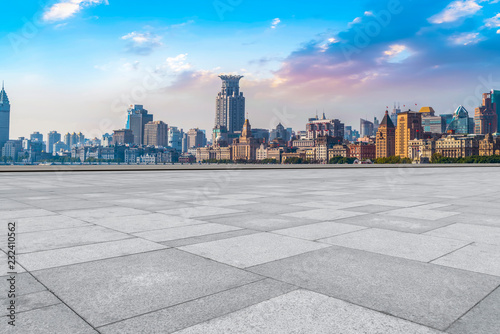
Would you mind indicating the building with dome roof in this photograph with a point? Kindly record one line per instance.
(245, 147)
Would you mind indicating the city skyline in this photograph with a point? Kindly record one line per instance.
(295, 60)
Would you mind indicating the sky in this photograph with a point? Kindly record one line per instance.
(76, 65)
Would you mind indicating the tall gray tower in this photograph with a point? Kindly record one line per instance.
(138, 117)
(230, 104)
(4, 117)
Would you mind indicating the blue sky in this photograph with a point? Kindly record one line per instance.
(75, 65)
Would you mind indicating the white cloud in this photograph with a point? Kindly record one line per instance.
(396, 53)
(275, 23)
(467, 38)
(493, 22)
(67, 8)
(455, 11)
(142, 43)
(355, 21)
(178, 63)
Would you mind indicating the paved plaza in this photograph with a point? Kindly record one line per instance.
(354, 250)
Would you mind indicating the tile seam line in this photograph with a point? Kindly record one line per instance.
(97, 260)
(373, 253)
(37, 308)
(64, 303)
(469, 310)
(262, 278)
(453, 251)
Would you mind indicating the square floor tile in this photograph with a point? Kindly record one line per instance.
(481, 258)
(146, 222)
(86, 253)
(306, 312)
(406, 245)
(250, 250)
(468, 232)
(92, 215)
(115, 289)
(193, 312)
(318, 230)
(431, 295)
(402, 224)
(482, 319)
(199, 211)
(323, 214)
(183, 232)
(46, 240)
(51, 320)
(419, 213)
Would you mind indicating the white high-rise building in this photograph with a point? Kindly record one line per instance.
(230, 104)
(52, 138)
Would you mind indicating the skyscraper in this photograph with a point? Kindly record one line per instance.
(386, 138)
(156, 134)
(365, 127)
(196, 138)
(4, 117)
(36, 137)
(175, 138)
(409, 128)
(230, 104)
(461, 123)
(485, 118)
(495, 99)
(52, 138)
(394, 114)
(138, 117)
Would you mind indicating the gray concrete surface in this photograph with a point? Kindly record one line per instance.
(314, 250)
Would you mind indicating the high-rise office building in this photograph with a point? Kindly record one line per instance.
(137, 118)
(495, 99)
(386, 138)
(461, 123)
(175, 138)
(365, 128)
(409, 128)
(230, 104)
(74, 139)
(196, 138)
(430, 122)
(36, 137)
(52, 138)
(123, 137)
(348, 133)
(486, 118)
(4, 117)
(156, 134)
(394, 114)
(317, 127)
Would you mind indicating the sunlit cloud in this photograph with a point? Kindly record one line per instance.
(142, 43)
(466, 38)
(67, 8)
(493, 22)
(178, 63)
(397, 53)
(455, 11)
